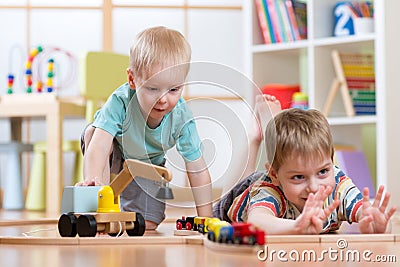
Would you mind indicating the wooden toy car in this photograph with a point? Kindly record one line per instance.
(214, 230)
(197, 222)
(237, 233)
(203, 226)
(108, 218)
(185, 223)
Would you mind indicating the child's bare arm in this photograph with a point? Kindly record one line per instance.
(200, 181)
(96, 169)
(309, 222)
(374, 218)
(265, 220)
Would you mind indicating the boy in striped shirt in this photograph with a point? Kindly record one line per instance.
(302, 191)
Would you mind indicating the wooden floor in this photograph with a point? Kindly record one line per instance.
(25, 244)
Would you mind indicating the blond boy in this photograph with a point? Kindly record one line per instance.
(144, 118)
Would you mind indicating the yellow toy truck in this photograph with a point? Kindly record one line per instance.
(108, 217)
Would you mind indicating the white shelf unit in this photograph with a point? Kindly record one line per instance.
(309, 63)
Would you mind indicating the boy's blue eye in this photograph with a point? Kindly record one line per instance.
(324, 172)
(298, 177)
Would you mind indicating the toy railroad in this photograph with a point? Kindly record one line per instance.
(107, 218)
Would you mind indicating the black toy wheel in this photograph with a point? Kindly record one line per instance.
(237, 240)
(86, 226)
(139, 226)
(188, 226)
(114, 234)
(211, 236)
(67, 225)
(251, 240)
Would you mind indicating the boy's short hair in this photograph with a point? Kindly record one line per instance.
(303, 132)
(158, 46)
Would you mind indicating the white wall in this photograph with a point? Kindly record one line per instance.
(216, 36)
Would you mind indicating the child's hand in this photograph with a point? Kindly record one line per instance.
(90, 182)
(373, 218)
(313, 215)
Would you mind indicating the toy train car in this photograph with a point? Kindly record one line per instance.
(236, 233)
(195, 223)
(185, 223)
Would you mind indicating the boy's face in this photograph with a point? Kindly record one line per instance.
(299, 176)
(158, 93)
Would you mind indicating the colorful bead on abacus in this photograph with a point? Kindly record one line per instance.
(50, 75)
(10, 84)
(28, 66)
(39, 86)
(28, 76)
(35, 51)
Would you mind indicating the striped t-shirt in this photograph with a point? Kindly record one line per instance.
(264, 194)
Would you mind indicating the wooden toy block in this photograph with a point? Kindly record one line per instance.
(79, 199)
(354, 164)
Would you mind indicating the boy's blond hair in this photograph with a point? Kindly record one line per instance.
(295, 132)
(161, 47)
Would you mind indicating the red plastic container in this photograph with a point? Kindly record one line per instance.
(282, 92)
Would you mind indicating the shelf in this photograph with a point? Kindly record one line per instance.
(356, 120)
(352, 39)
(326, 41)
(279, 47)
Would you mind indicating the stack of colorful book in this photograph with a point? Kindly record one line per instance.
(282, 20)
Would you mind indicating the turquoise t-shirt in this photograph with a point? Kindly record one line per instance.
(121, 117)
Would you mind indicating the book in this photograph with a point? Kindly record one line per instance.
(300, 11)
(276, 28)
(283, 20)
(269, 21)
(277, 21)
(263, 21)
(354, 165)
(292, 18)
